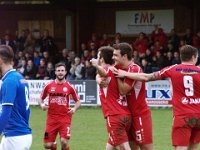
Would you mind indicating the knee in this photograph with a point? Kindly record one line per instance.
(48, 145)
(64, 143)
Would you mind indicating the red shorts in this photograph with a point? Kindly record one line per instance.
(186, 130)
(118, 127)
(142, 129)
(52, 130)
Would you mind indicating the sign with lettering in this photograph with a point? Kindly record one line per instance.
(159, 93)
(134, 22)
(87, 91)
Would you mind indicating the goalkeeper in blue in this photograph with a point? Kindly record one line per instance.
(14, 105)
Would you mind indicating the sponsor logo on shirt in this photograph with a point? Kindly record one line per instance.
(190, 100)
(53, 89)
(65, 89)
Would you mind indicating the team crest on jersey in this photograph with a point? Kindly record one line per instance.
(53, 89)
(65, 89)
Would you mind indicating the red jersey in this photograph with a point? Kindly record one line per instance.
(112, 102)
(185, 80)
(137, 97)
(59, 96)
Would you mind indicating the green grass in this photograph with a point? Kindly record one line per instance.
(89, 130)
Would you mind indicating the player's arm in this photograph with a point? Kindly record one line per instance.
(99, 68)
(77, 102)
(42, 105)
(101, 81)
(5, 115)
(135, 76)
(76, 106)
(123, 87)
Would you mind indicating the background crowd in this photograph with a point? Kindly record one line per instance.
(36, 55)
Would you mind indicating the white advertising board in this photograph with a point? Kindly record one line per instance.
(134, 22)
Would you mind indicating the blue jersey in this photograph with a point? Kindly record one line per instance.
(15, 92)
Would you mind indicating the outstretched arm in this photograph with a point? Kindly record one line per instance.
(135, 76)
(99, 68)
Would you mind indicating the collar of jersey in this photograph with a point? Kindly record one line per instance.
(11, 70)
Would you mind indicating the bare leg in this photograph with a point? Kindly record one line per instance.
(193, 146)
(181, 147)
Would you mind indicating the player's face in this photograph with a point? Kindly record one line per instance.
(60, 73)
(117, 57)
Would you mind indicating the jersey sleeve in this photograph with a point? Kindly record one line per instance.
(44, 92)
(133, 69)
(74, 94)
(9, 91)
(164, 73)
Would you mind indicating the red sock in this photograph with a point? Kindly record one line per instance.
(54, 146)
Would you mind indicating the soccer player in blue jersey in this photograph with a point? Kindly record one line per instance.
(14, 101)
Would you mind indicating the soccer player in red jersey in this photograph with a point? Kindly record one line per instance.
(136, 95)
(60, 114)
(185, 79)
(114, 106)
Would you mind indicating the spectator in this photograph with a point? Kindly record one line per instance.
(41, 73)
(169, 58)
(188, 36)
(50, 71)
(21, 67)
(176, 59)
(47, 43)
(141, 43)
(90, 71)
(36, 58)
(174, 39)
(146, 67)
(196, 40)
(76, 70)
(105, 41)
(94, 40)
(30, 70)
(9, 42)
(159, 35)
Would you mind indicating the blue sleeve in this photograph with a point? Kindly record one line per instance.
(5, 115)
(9, 89)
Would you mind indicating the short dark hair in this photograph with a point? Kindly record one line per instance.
(60, 64)
(187, 51)
(6, 54)
(124, 48)
(106, 52)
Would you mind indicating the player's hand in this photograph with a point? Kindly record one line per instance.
(44, 107)
(71, 111)
(94, 62)
(120, 73)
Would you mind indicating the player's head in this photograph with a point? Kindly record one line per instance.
(188, 53)
(105, 54)
(6, 54)
(122, 52)
(60, 71)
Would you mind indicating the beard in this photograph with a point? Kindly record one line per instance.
(60, 78)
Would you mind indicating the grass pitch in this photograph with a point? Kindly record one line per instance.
(89, 130)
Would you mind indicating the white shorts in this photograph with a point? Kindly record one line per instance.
(16, 142)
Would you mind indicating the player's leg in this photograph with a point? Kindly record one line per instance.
(110, 147)
(193, 146)
(179, 130)
(65, 133)
(16, 142)
(50, 137)
(117, 127)
(142, 131)
(133, 145)
(64, 143)
(195, 138)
